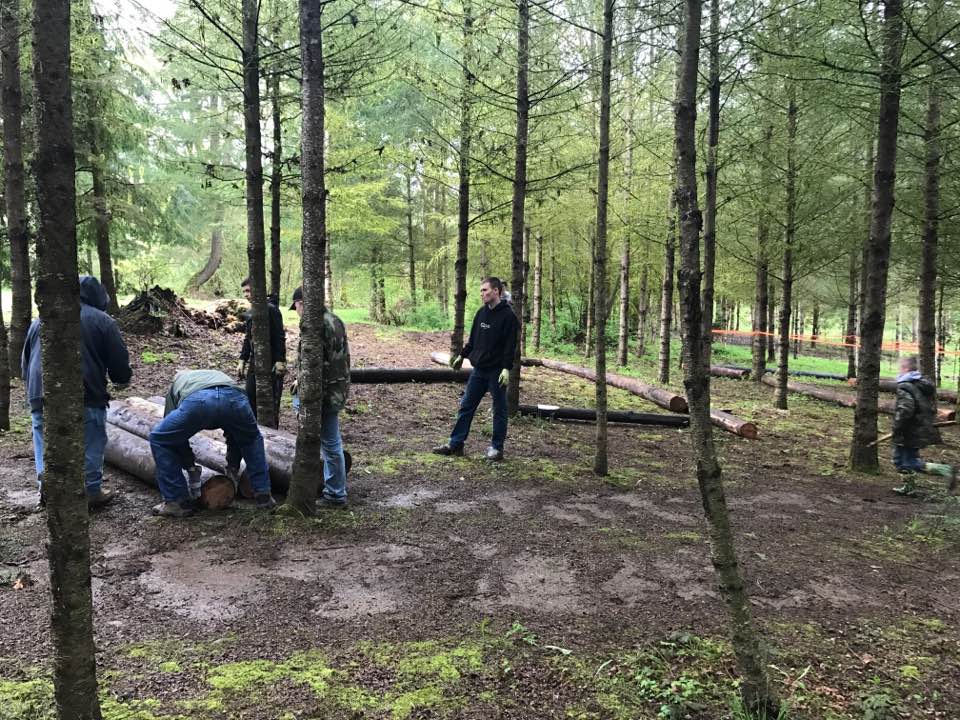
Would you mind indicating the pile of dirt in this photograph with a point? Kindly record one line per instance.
(158, 311)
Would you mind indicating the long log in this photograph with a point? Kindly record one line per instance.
(131, 454)
(729, 372)
(890, 385)
(553, 412)
(888, 407)
(443, 358)
(795, 373)
(731, 423)
(379, 375)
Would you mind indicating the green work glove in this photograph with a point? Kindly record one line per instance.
(504, 378)
(456, 362)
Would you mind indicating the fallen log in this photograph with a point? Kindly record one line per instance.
(662, 398)
(888, 407)
(443, 358)
(131, 453)
(731, 423)
(378, 375)
(553, 412)
(729, 372)
(794, 373)
(890, 385)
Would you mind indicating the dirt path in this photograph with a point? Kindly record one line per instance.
(526, 589)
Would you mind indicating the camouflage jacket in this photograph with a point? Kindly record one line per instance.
(336, 363)
(915, 413)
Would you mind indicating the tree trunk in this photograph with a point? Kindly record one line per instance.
(771, 321)
(553, 289)
(537, 319)
(666, 296)
(276, 178)
(526, 275)
(463, 200)
(411, 246)
(931, 216)
(58, 299)
(710, 211)
(600, 259)
(757, 691)
(4, 375)
(642, 311)
(215, 257)
(589, 315)
(304, 485)
(790, 231)
(623, 329)
(101, 222)
(850, 340)
(327, 277)
(863, 451)
(519, 191)
(941, 344)
(255, 235)
(815, 325)
(759, 314)
(14, 197)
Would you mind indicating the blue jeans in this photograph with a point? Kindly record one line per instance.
(94, 443)
(480, 381)
(905, 458)
(331, 450)
(218, 407)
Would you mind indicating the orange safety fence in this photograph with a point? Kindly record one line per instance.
(836, 341)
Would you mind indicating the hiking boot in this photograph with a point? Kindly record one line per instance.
(173, 509)
(448, 450)
(494, 455)
(101, 498)
(329, 503)
(265, 501)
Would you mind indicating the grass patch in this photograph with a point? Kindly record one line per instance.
(148, 357)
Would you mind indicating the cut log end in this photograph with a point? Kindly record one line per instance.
(217, 493)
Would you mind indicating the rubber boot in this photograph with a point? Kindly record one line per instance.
(947, 471)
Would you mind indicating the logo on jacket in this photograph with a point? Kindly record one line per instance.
(485, 326)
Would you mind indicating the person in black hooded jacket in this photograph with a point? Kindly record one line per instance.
(490, 349)
(914, 429)
(102, 354)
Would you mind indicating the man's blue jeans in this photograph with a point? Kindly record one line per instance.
(331, 450)
(905, 458)
(480, 381)
(94, 443)
(218, 407)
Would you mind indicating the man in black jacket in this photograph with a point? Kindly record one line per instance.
(278, 352)
(102, 353)
(490, 349)
(913, 427)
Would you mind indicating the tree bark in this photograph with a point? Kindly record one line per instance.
(463, 200)
(790, 231)
(815, 326)
(757, 691)
(926, 303)
(276, 179)
(762, 269)
(14, 194)
(600, 259)
(643, 311)
(411, 246)
(853, 275)
(210, 267)
(58, 298)
(863, 451)
(4, 373)
(941, 344)
(101, 221)
(553, 289)
(588, 314)
(771, 321)
(710, 198)
(623, 329)
(526, 275)
(666, 296)
(537, 319)
(304, 484)
(254, 191)
(519, 191)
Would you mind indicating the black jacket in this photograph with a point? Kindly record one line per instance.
(915, 413)
(102, 350)
(493, 338)
(278, 336)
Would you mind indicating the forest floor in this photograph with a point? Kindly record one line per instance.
(453, 588)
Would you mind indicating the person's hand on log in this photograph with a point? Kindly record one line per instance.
(241, 370)
(504, 378)
(280, 368)
(456, 362)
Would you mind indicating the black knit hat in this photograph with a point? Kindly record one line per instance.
(297, 295)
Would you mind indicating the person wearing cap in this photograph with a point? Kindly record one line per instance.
(278, 352)
(206, 400)
(336, 388)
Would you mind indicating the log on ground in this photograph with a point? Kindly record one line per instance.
(131, 453)
(379, 375)
(729, 372)
(443, 358)
(553, 412)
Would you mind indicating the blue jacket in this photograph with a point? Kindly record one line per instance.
(102, 350)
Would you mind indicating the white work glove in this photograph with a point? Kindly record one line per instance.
(504, 378)
(456, 362)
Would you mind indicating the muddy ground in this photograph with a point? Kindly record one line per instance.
(526, 589)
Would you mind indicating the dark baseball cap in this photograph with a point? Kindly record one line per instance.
(297, 295)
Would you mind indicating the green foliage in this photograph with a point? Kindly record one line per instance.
(148, 357)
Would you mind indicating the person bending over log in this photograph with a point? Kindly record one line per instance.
(206, 400)
(493, 340)
(913, 428)
(336, 388)
(278, 352)
(102, 353)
